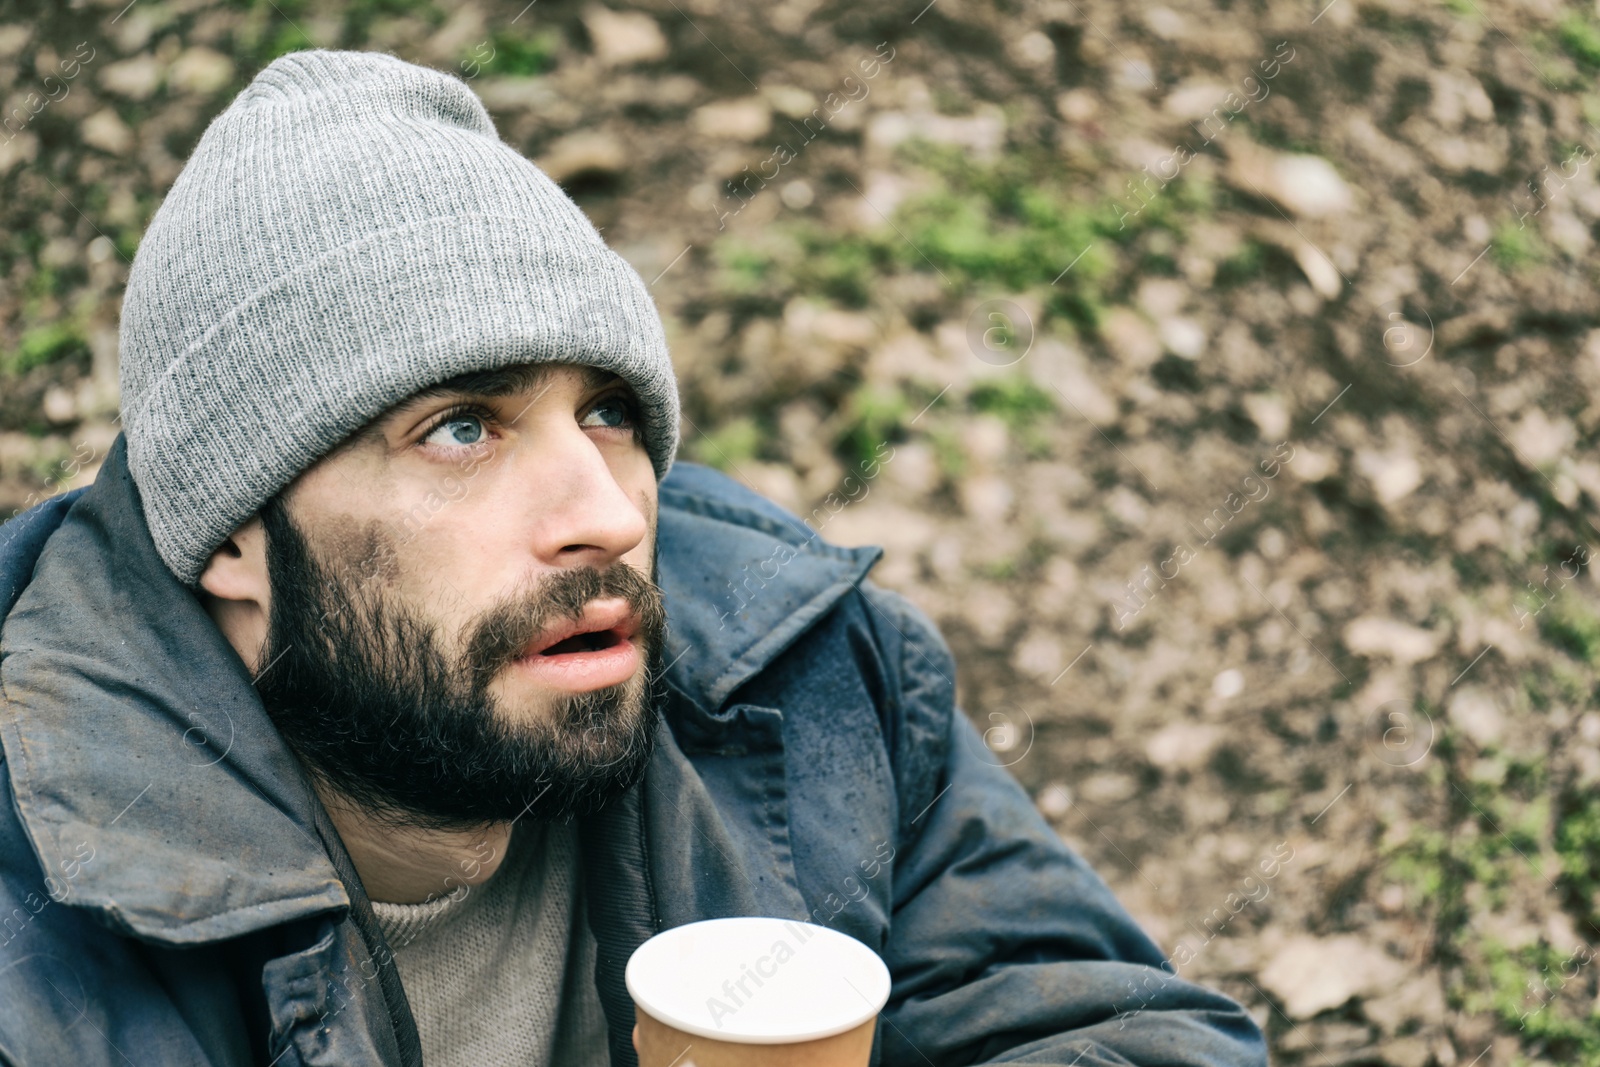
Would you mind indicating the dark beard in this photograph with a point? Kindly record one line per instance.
(363, 694)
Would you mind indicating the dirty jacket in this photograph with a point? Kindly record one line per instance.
(172, 892)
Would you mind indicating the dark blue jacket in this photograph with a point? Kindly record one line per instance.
(172, 892)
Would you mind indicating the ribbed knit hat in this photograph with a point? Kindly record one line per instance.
(349, 231)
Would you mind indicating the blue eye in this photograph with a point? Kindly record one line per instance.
(626, 411)
(457, 426)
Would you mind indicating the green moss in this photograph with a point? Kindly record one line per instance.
(513, 54)
(841, 270)
(947, 450)
(1572, 629)
(996, 570)
(873, 415)
(1580, 38)
(1244, 265)
(1577, 843)
(1515, 247)
(1015, 399)
(44, 344)
(1014, 222)
(728, 445)
(287, 38)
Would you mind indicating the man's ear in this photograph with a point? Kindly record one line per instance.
(236, 593)
(237, 570)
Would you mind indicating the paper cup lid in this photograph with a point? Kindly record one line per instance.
(758, 981)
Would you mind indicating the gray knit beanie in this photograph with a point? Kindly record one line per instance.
(349, 231)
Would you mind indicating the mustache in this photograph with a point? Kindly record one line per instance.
(506, 629)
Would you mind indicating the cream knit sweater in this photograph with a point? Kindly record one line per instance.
(505, 975)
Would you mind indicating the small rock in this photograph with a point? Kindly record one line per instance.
(1165, 23)
(1035, 49)
(791, 101)
(734, 120)
(1183, 337)
(106, 131)
(1373, 636)
(1542, 440)
(1393, 474)
(1127, 507)
(1481, 529)
(1310, 465)
(986, 497)
(624, 37)
(1306, 185)
(1191, 100)
(1087, 397)
(796, 194)
(1228, 684)
(200, 70)
(1077, 105)
(1054, 800)
(137, 78)
(1311, 974)
(1478, 716)
(60, 252)
(1318, 269)
(1270, 415)
(587, 151)
(463, 33)
(1039, 655)
(1130, 337)
(1309, 186)
(13, 39)
(985, 439)
(516, 94)
(59, 405)
(1135, 73)
(1161, 297)
(1182, 745)
(1109, 787)
(1413, 1050)
(1419, 999)
(981, 133)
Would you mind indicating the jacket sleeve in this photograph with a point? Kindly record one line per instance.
(1004, 945)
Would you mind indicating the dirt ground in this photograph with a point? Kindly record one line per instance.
(1221, 376)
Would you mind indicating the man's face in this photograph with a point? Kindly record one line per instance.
(418, 571)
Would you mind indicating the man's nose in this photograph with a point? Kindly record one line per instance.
(581, 513)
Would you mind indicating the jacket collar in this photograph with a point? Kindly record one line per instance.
(131, 728)
(132, 732)
(743, 579)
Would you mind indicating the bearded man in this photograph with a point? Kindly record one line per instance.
(381, 695)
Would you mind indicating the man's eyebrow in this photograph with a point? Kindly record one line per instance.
(500, 382)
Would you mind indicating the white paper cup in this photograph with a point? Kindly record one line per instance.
(753, 990)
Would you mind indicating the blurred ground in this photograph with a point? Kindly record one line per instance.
(1222, 376)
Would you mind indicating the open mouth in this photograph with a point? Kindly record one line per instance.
(585, 642)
